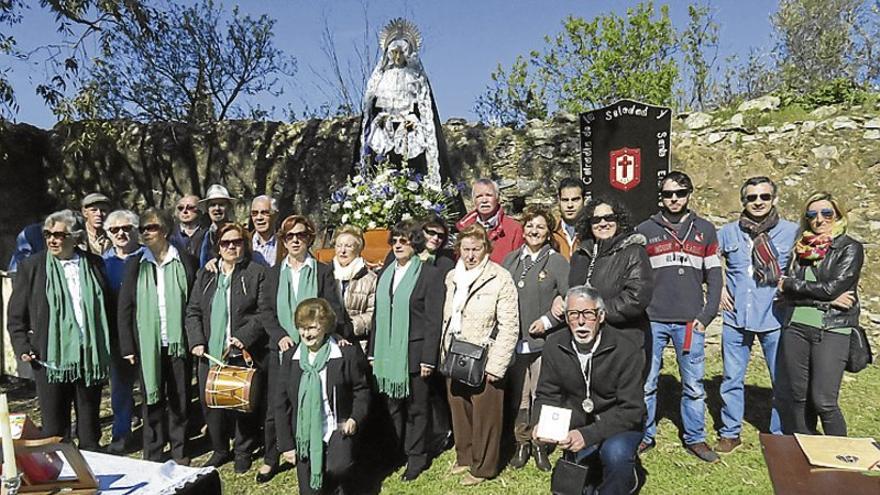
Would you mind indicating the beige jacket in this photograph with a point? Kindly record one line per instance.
(492, 301)
(360, 300)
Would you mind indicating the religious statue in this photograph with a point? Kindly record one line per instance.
(400, 122)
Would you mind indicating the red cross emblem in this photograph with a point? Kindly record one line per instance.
(626, 168)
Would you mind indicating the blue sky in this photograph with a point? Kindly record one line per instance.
(463, 41)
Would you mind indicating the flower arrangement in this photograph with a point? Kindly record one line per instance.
(386, 195)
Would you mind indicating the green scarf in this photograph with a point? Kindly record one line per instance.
(286, 301)
(76, 353)
(147, 318)
(391, 354)
(310, 412)
(219, 317)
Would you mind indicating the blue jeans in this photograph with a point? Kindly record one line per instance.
(122, 377)
(736, 349)
(690, 366)
(616, 457)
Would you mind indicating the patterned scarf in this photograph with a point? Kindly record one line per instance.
(813, 247)
(286, 301)
(310, 412)
(765, 259)
(76, 353)
(390, 366)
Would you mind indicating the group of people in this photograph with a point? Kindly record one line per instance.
(571, 312)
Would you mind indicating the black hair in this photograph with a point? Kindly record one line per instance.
(680, 178)
(412, 231)
(569, 182)
(582, 222)
(754, 181)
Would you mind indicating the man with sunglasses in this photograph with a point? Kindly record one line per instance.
(755, 249)
(683, 250)
(190, 223)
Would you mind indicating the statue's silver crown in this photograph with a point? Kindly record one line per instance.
(400, 28)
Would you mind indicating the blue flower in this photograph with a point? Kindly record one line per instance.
(419, 177)
(338, 196)
(460, 186)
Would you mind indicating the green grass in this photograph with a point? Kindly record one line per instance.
(671, 470)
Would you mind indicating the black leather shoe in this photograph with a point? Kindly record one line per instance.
(521, 457)
(414, 467)
(542, 460)
(267, 477)
(218, 459)
(242, 464)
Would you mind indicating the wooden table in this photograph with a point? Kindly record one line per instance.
(790, 473)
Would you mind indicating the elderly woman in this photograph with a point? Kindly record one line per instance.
(58, 324)
(222, 319)
(324, 396)
(481, 308)
(541, 275)
(355, 283)
(405, 345)
(296, 278)
(612, 258)
(821, 285)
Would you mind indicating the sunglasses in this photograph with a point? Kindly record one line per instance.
(120, 228)
(186, 207)
(674, 193)
(302, 236)
(256, 213)
(587, 314)
(150, 227)
(232, 243)
(403, 241)
(58, 236)
(434, 233)
(751, 198)
(610, 218)
(827, 213)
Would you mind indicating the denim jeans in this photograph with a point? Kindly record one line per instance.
(690, 366)
(615, 458)
(122, 377)
(736, 349)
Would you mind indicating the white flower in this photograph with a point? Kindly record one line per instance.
(345, 218)
(347, 205)
(357, 215)
(406, 216)
(426, 204)
(371, 225)
(389, 203)
(334, 207)
(363, 198)
(412, 186)
(357, 179)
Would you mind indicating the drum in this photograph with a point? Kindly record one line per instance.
(232, 387)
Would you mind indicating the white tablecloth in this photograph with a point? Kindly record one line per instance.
(123, 475)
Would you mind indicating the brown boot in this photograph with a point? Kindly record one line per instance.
(728, 445)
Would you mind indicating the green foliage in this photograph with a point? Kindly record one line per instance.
(514, 97)
(840, 90)
(699, 45)
(10, 14)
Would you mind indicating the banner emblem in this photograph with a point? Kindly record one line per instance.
(626, 168)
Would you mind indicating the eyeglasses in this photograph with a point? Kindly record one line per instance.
(434, 233)
(610, 218)
(256, 213)
(677, 193)
(587, 314)
(751, 198)
(827, 213)
(302, 236)
(120, 228)
(150, 227)
(232, 243)
(186, 207)
(403, 241)
(58, 236)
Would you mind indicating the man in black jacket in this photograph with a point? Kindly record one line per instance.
(596, 374)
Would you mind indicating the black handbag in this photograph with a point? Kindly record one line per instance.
(465, 362)
(568, 478)
(860, 355)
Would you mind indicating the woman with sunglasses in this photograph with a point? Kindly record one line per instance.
(541, 275)
(821, 286)
(405, 344)
(612, 258)
(222, 320)
(299, 276)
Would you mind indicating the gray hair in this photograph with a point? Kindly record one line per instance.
(273, 204)
(118, 215)
(73, 225)
(487, 182)
(585, 291)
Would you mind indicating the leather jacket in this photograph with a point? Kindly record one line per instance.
(836, 273)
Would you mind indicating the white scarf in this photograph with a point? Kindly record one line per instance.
(463, 279)
(346, 273)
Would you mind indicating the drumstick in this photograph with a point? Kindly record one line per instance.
(214, 360)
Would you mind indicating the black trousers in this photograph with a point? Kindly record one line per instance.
(812, 363)
(410, 417)
(55, 401)
(225, 424)
(272, 426)
(338, 461)
(166, 420)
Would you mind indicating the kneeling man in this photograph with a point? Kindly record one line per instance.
(595, 372)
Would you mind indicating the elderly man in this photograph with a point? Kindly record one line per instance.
(58, 324)
(570, 200)
(505, 233)
(218, 203)
(95, 207)
(596, 373)
(189, 224)
(264, 209)
(122, 225)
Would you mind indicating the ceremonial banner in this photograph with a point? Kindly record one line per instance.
(624, 154)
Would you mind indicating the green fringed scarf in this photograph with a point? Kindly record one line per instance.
(76, 353)
(147, 317)
(391, 354)
(310, 412)
(219, 316)
(286, 301)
